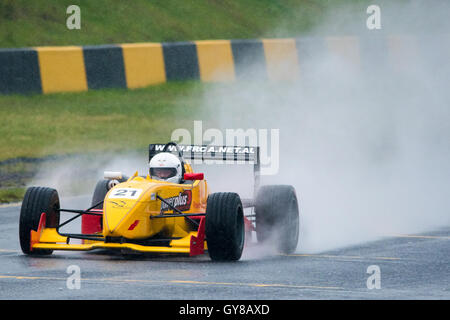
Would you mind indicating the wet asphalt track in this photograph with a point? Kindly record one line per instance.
(411, 267)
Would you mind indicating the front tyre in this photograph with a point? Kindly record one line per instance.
(224, 226)
(37, 200)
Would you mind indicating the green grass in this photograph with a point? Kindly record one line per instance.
(26, 23)
(11, 195)
(64, 123)
(89, 123)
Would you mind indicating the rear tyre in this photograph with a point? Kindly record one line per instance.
(94, 224)
(36, 201)
(224, 226)
(277, 217)
(101, 189)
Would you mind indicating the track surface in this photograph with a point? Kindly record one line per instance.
(411, 267)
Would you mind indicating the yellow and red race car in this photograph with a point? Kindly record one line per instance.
(146, 215)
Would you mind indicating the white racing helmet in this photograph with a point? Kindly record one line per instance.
(166, 167)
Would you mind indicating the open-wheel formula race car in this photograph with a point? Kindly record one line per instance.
(142, 214)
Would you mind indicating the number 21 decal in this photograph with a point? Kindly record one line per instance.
(125, 193)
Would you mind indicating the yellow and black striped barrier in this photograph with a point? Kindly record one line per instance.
(81, 68)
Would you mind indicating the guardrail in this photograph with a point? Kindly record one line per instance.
(81, 68)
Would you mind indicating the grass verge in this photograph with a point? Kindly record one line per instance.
(26, 23)
(38, 129)
(93, 121)
(11, 195)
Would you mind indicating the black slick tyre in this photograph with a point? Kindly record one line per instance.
(224, 226)
(277, 217)
(101, 189)
(37, 200)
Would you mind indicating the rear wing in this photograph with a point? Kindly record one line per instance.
(215, 155)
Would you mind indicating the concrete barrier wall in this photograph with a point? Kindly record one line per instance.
(74, 68)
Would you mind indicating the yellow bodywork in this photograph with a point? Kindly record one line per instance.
(127, 209)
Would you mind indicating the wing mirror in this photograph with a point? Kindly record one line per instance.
(113, 175)
(194, 176)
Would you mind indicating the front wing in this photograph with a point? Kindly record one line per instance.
(49, 238)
